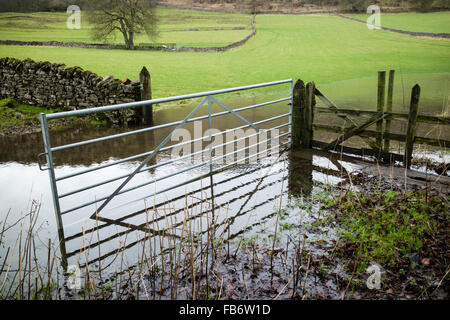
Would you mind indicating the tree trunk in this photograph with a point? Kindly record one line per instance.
(131, 28)
(124, 31)
(131, 40)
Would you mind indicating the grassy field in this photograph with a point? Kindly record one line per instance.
(324, 48)
(436, 22)
(176, 26)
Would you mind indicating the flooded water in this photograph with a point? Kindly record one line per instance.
(250, 194)
(361, 94)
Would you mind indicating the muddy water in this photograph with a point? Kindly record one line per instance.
(249, 193)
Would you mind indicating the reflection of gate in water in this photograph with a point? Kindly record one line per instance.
(122, 192)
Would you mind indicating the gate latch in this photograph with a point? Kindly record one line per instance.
(39, 161)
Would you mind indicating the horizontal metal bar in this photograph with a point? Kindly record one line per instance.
(237, 115)
(148, 159)
(76, 113)
(126, 175)
(163, 149)
(165, 202)
(125, 134)
(178, 172)
(205, 175)
(198, 165)
(167, 162)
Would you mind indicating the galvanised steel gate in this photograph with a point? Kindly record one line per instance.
(208, 97)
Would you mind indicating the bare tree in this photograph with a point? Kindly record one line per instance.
(129, 17)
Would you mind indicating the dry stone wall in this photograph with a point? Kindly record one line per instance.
(68, 88)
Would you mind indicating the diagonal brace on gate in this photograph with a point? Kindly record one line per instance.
(354, 131)
(334, 107)
(147, 160)
(241, 117)
(164, 142)
(235, 113)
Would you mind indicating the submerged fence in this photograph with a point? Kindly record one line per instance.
(304, 125)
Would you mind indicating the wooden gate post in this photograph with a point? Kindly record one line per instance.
(303, 115)
(389, 109)
(299, 97)
(411, 130)
(146, 94)
(310, 102)
(380, 106)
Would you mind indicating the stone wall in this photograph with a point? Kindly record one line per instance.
(105, 46)
(69, 88)
(411, 33)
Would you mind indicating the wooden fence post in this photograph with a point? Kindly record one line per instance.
(310, 102)
(146, 94)
(380, 106)
(411, 130)
(303, 115)
(389, 109)
(299, 97)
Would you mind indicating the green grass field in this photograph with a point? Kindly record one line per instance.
(435, 22)
(325, 49)
(44, 26)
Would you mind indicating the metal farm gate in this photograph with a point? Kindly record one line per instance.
(208, 98)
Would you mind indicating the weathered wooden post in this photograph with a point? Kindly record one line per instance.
(303, 115)
(146, 94)
(380, 106)
(310, 102)
(411, 130)
(300, 172)
(389, 110)
(299, 97)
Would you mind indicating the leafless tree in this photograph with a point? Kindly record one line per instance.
(129, 17)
